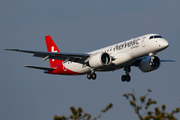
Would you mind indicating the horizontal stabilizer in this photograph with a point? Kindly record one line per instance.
(41, 68)
(168, 60)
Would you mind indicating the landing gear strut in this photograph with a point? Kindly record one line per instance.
(126, 77)
(91, 75)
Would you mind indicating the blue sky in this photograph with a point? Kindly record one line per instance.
(82, 26)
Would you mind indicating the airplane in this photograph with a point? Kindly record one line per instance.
(139, 52)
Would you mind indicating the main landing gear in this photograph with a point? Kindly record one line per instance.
(126, 77)
(91, 75)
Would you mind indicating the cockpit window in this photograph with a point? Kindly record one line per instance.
(151, 37)
(157, 36)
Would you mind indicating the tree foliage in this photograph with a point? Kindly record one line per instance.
(78, 114)
(145, 103)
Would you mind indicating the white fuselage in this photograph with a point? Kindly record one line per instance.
(124, 53)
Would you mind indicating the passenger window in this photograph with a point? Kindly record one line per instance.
(151, 37)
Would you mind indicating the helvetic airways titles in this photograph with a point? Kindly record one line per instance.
(128, 44)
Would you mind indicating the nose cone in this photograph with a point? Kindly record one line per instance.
(164, 43)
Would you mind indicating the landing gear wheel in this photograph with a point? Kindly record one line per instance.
(123, 78)
(94, 76)
(128, 78)
(89, 76)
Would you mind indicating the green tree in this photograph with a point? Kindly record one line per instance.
(78, 114)
(145, 103)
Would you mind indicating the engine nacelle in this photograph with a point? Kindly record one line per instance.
(122, 58)
(100, 60)
(149, 63)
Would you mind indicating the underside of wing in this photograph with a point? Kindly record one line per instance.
(74, 57)
(41, 68)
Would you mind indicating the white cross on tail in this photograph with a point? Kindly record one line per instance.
(52, 50)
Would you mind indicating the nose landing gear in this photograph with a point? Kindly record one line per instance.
(126, 77)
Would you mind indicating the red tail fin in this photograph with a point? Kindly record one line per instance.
(51, 47)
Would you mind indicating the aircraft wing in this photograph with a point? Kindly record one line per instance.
(74, 57)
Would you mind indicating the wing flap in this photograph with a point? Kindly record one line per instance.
(41, 68)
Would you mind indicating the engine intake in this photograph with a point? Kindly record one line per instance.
(149, 63)
(100, 60)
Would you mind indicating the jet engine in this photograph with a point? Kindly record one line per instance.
(149, 63)
(99, 60)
